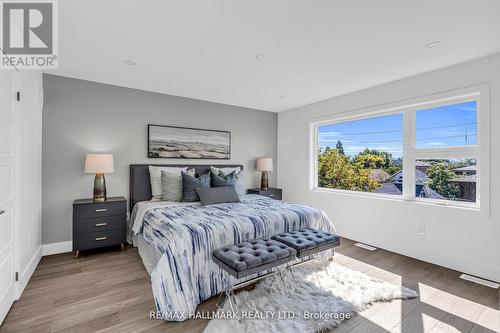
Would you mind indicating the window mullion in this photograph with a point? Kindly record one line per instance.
(449, 152)
(409, 154)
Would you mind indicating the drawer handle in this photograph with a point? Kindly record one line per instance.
(100, 238)
(101, 210)
(100, 224)
(271, 195)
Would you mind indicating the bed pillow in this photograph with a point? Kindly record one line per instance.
(155, 178)
(216, 195)
(239, 184)
(218, 181)
(171, 184)
(225, 171)
(190, 183)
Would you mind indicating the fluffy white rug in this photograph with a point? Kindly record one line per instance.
(315, 301)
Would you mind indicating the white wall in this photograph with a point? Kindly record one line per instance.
(28, 175)
(461, 239)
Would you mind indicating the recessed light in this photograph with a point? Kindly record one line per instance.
(433, 44)
(260, 57)
(281, 96)
(129, 62)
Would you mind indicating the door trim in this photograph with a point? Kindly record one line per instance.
(28, 272)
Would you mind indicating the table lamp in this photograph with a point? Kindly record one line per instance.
(99, 164)
(264, 164)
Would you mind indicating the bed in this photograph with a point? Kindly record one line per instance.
(176, 240)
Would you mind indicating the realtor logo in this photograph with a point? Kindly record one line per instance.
(29, 34)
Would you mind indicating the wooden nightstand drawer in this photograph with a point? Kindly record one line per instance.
(100, 209)
(102, 223)
(99, 224)
(99, 239)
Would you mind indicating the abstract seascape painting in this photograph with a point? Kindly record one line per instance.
(184, 142)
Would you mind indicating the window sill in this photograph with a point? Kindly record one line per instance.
(399, 198)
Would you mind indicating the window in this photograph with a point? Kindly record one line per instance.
(361, 155)
(447, 126)
(446, 179)
(425, 151)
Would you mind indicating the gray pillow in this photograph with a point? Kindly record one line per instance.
(240, 184)
(155, 178)
(190, 183)
(215, 195)
(218, 181)
(171, 184)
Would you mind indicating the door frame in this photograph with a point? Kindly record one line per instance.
(15, 108)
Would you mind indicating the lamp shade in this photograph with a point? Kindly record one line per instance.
(264, 164)
(99, 163)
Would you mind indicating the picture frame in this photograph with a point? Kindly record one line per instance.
(177, 142)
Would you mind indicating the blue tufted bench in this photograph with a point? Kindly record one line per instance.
(308, 241)
(248, 258)
(256, 256)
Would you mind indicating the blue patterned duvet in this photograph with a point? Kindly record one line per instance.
(186, 236)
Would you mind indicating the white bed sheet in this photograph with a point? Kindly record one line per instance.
(147, 252)
(141, 208)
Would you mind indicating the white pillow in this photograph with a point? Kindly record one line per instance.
(171, 184)
(225, 171)
(155, 178)
(239, 185)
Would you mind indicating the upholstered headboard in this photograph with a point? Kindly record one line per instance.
(140, 186)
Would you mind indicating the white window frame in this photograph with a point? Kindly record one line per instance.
(408, 108)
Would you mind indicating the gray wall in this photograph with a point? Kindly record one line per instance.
(81, 117)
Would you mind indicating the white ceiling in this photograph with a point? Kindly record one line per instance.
(313, 50)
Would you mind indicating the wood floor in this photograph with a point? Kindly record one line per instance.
(110, 292)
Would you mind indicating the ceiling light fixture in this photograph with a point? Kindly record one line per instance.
(433, 44)
(260, 57)
(129, 62)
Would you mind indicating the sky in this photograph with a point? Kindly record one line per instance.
(445, 126)
(167, 133)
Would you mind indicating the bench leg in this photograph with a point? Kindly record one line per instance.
(293, 276)
(325, 260)
(228, 293)
(283, 283)
(230, 298)
(219, 304)
(274, 279)
(280, 274)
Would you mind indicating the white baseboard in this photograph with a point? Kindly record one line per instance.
(28, 272)
(43, 250)
(55, 248)
(438, 258)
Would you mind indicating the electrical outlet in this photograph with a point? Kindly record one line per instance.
(421, 229)
(30, 238)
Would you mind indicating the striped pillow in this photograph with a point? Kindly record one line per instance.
(155, 178)
(171, 184)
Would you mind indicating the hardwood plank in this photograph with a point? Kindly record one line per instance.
(423, 319)
(110, 291)
(488, 321)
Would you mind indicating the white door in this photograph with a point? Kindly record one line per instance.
(7, 271)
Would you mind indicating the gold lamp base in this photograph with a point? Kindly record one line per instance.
(99, 188)
(264, 182)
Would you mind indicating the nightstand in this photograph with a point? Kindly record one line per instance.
(99, 224)
(273, 193)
